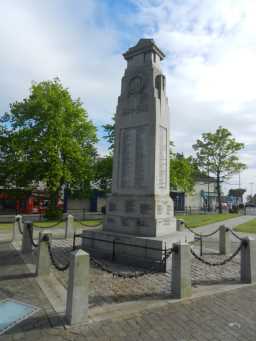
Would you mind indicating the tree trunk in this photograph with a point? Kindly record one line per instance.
(219, 193)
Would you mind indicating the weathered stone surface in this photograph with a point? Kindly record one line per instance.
(43, 259)
(78, 288)
(181, 271)
(140, 192)
(27, 246)
(224, 240)
(140, 205)
(69, 225)
(248, 261)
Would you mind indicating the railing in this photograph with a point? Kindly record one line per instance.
(164, 252)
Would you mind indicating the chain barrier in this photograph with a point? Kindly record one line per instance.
(200, 234)
(121, 274)
(168, 253)
(234, 234)
(52, 257)
(86, 225)
(30, 229)
(225, 261)
(125, 275)
(50, 226)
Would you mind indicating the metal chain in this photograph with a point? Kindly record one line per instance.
(50, 226)
(54, 262)
(200, 234)
(31, 236)
(219, 263)
(234, 234)
(120, 274)
(86, 225)
(168, 254)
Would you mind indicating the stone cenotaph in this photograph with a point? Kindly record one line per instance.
(139, 210)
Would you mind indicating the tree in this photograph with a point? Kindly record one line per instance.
(217, 155)
(110, 134)
(47, 138)
(182, 172)
(103, 173)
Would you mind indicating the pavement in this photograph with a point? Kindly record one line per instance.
(231, 223)
(136, 309)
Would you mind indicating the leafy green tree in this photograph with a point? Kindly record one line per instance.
(217, 155)
(47, 138)
(103, 173)
(182, 172)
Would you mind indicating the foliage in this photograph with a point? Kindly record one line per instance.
(182, 173)
(110, 134)
(217, 155)
(53, 213)
(103, 173)
(251, 199)
(47, 137)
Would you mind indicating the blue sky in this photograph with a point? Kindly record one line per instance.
(210, 51)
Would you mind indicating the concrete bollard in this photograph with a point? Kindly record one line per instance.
(248, 261)
(224, 240)
(69, 225)
(27, 246)
(18, 224)
(180, 226)
(78, 288)
(181, 271)
(43, 257)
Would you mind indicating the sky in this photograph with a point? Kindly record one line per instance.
(210, 48)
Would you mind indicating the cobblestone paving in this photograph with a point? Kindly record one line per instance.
(106, 289)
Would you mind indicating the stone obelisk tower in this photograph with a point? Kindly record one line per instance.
(140, 203)
(139, 222)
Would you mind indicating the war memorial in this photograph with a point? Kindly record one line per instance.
(102, 297)
(139, 210)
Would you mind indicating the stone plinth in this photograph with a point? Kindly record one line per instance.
(147, 252)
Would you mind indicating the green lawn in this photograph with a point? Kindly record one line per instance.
(196, 220)
(249, 227)
(4, 226)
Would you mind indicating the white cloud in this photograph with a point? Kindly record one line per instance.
(210, 67)
(210, 63)
(45, 40)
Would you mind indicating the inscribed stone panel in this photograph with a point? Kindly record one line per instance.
(127, 157)
(141, 173)
(162, 178)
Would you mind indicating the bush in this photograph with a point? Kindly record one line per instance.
(53, 214)
(234, 209)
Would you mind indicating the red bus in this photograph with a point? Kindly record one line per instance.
(24, 202)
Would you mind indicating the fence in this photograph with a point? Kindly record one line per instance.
(140, 259)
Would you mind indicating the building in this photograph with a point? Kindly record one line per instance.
(203, 197)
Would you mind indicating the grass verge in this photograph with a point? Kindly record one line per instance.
(196, 220)
(248, 227)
